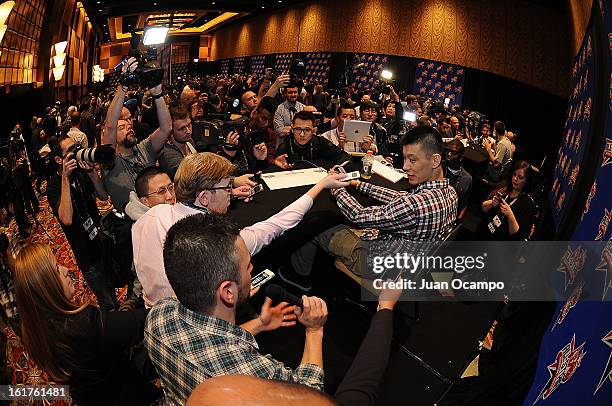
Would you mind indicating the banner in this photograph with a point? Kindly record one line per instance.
(257, 64)
(283, 61)
(439, 81)
(365, 77)
(317, 67)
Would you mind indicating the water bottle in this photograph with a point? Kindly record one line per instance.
(368, 159)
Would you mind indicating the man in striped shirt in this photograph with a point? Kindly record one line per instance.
(420, 214)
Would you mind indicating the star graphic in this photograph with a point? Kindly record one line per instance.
(606, 266)
(607, 373)
(571, 264)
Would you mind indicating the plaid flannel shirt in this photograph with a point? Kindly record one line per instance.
(420, 214)
(188, 347)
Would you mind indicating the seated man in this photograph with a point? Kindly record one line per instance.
(194, 336)
(305, 145)
(456, 174)
(337, 136)
(203, 184)
(368, 111)
(420, 214)
(502, 156)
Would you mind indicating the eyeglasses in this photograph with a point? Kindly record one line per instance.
(162, 190)
(298, 131)
(228, 188)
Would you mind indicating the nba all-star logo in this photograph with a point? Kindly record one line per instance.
(603, 225)
(606, 376)
(569, 305)
(606, 266)
(607, 153)
(572, 263)
(587, 206)
(566, 363)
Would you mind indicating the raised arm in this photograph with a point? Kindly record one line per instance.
(109, 136)
(159, 136)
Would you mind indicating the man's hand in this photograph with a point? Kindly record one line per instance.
(273, 317)
(85, 166)
(366, 142)
(341, 139)
(282, 81)
(394, 96)
(131, 64)
(242, 193)
(388, 298)
(232, 138)
(286, 129)
(244, 180)
(260, 151)
(281, 162)
(332, 181)
(69, 164)
(487, 144)
(156, 90)
(314, 315)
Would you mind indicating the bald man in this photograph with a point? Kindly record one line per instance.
(243, 390)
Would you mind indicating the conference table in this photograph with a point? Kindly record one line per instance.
(323, 214)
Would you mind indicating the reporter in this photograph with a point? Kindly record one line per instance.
(76, 344)
(510, 209)
(195, 332)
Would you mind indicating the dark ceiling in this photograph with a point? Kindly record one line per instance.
(100, 10)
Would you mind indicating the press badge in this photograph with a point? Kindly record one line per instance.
(87, 224)
(495, 222)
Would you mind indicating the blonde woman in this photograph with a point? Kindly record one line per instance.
(77, 344)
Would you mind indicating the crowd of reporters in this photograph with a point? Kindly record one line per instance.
(170, 160)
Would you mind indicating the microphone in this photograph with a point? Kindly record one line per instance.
(278, 294)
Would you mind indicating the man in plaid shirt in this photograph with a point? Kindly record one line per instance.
(194, 337)
(421, 214)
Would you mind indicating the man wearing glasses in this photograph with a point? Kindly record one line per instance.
(305, 145)
(70, 192)
(203, 184)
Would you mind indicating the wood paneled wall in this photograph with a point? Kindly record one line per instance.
(512, 38)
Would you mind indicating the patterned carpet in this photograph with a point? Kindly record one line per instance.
(21, 369)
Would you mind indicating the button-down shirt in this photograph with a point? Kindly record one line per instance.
(172, 155)
(421, 214)
(149, 233)
(188, 347)
(284, 115)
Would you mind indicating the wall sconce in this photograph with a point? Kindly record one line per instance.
(5, 10)
(59, 60)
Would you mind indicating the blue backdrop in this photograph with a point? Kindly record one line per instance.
(439, 80)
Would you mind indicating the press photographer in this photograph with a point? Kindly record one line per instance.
(133, 156)
(70, 192)
(250, 144)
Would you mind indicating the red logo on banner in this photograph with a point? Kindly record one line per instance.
(571, 302)
(566, 363)
(607, 372)
(574, 175)
(607, 154)
(603, 225)
(572, 263)
(587, 206)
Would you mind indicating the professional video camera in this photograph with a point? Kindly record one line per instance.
(212, 131)
(104, 154)
(148, 73)
(297, 71)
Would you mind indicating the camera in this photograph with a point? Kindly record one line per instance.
(271, 74)
(148, 74)
(104, 154)
(297, 70)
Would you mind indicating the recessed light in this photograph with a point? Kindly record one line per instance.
(263, 7)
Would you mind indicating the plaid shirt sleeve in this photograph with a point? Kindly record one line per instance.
(379, 193)
(305, 374)
(397, 214)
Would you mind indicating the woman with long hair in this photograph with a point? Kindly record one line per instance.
(77, 344)
(510, 209)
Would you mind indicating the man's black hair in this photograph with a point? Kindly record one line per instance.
(344, 106)
(199, 255)
(143, 178)
(499, 128)
(268, 103)
(427, 137)
(304, 115)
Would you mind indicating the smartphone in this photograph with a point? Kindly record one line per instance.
(261, 278)
(258, 188)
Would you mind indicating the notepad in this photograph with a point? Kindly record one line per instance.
(288, 179)
(386, 172)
